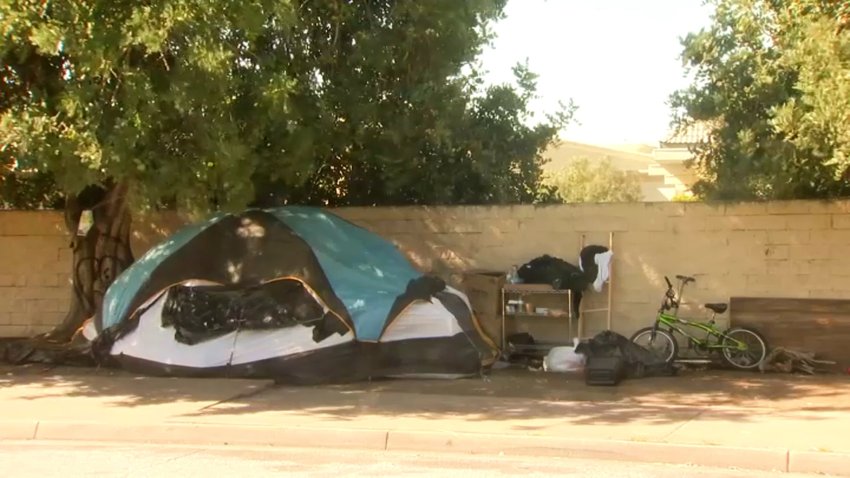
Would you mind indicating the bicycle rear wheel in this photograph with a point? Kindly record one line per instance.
(752, 352)
(660, 342)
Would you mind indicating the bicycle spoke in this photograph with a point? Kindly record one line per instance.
(660, 346)
(749, 356)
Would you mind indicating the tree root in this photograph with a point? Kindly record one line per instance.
(43, 351)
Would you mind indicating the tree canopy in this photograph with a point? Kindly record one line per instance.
(583, 180)
(265, 101)
(219, 105)
(771, 82)
(167, 97)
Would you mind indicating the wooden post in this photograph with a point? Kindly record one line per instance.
(570, 316)
(609, 309)
(610, 277)
(580, 320)
(502, 306)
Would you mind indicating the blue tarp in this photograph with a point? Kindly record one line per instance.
(124, 288)
(366, 272)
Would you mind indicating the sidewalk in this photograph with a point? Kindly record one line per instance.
(747, 420)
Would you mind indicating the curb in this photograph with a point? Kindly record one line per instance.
(836, 464)
(764, 459)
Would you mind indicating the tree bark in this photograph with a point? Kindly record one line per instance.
(99, 256)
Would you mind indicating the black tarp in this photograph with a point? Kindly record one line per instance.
(203, 313)
(637, 361)
(344, 363)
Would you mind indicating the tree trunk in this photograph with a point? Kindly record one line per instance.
(99, 256)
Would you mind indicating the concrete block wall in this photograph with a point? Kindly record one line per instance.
(35, 264)
(776, 249)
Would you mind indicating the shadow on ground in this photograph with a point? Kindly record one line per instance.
(505, 395)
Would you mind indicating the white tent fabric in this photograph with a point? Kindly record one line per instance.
(151, 341)
(422, 320)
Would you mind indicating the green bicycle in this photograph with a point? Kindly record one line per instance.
(741, 347)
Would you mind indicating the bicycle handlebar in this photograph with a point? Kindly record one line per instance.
(670, 296)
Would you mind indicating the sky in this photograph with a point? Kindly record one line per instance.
(618, 60)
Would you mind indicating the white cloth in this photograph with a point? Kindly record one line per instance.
(603, 263)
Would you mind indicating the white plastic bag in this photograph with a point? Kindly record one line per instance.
(564, 359)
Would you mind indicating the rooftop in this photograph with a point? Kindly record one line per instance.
(694, 133)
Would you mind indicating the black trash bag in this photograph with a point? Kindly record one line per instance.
(199, 314)
(638, 362)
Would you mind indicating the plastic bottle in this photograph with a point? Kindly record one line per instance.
(513, 275)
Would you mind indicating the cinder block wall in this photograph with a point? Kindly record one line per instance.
(776, 249)
(35, 271)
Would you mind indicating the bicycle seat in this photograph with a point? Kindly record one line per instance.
(717, 308)
(686, 278)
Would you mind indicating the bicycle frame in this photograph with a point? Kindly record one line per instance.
(674, 323)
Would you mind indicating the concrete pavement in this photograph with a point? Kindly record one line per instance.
(768, 422)
(45, 459)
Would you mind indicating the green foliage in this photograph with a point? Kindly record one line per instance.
(218, 104)
(162, 95)
(596, 182)
(28, 190)
(684, 197)
(772, 83)
(401, 117)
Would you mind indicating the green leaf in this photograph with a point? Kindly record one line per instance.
(773, 86)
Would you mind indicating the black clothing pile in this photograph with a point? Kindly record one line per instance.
(637, 361)
(558, 273)
(562, 275)
(203, 313)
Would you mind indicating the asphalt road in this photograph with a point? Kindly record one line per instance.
(67, 459)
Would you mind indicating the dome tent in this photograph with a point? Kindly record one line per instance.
(293, 293)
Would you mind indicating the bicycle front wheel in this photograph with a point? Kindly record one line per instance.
(660, 342)
(744, 348)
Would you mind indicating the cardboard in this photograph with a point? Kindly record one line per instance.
(484, 289)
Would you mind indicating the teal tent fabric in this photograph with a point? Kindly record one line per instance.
(124, 288)
(366, 272)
